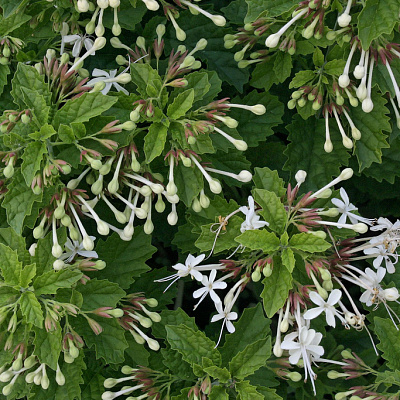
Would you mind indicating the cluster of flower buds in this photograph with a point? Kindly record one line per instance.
(9, 46)
(12, 118)
(200, 390)
(152, 385)
(136, 314)
(20, 367)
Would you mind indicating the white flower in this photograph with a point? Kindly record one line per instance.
(382, 253)
(209, 286)
(110, 79)
(227, 315)
(345, 207)
(252, 219)
(384, 223)
(79, 41)
(327, 306)
(371, 281)
(76, 248)
(306, 347)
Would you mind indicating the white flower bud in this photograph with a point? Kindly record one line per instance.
(113, 186)
(344, 20)
(361, 91)
(359, 72)
(367, 105)
(272, 40)
(153, 344)
(196, 206)
(355, 133)
(148, 227)
(56, 250)
(347, 142)
(215, 186)
(328, 146)
(58, 265)
(102, 228)
(204, 200)
(245, 176)
(258, 109)
(241, 145)
(278, 351)
(157, 188)
(218, 20)
(88, 243)
(344, 80)
(32, 249)
(347, 173)
(172, 218)
(300, 176)
(391, 294)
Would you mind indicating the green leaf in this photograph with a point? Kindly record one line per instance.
(308, 137)
(4, 72)
(247, 391)
(83, 108)
(318, 57)
(264, 178)
(46, 131)
(12, 22)
(251, 327)
(154, 141)
(26, 275)
(189, 182)
(301, 78)
(269, 394)
(253, 128)
(32, 158)
(125, 260)
(100, 293)
(282, 66)
(43, 257)
(31, 309)
(273, 210)
(8, 295)
(37, 104)
(10, 266)
(51, 281)
(27, 76)
(18, 202)
(48, 346)
(173, 317)
(181, 104)
(371, 125)
(375, 19)
(110, 344)
(272, 8)
(334, 67)
(198, 82)
(389, 338)
(251, 358)
(193, 345)
(288, 259)
(259, 240)
(222, 374)
(263, 76)
(174, 362)
(276, 288)
(141, 75)
(309, 243)
(218, 393)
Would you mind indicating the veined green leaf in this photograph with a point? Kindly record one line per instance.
(222, 374)
(15, 242)
(251, 358)
(181, 104)
(247, 391)
(31, 309)
(4, 72)
(37, 104)
(301, 78)
(389, 338)
(51, 281)
(26, 275)
(283, 66)
(288, 259)
(154, 141)
(32, 158)
(261, 239)
(10, 266)
(189, 181)
(48, 346)
(218, 393)
(12, 22)
(264, 178)
(309, 243)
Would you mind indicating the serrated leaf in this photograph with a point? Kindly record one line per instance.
(263, 76)
(43, 257)
(255, 128)
(318, 57)
(198, 82)
(18, 202)
(389, 338)
(125, 260)
(66, 134)
(276, 288)
(4, 72)
(309, 243)
(51, 281)
(261, 239)
(12, 22)
(218, 393)
(32, 158)
(251, 327)
(15, 242)
(37, 104)
(181, 104)
(8, 294)
(48, 346)
(170, 318)
(301, 78)
(31, 309)
(376, 18)
(251, 358)
(193, 345)
(222, 374)
(189, 182)
(371, 125)
(264, 178)
(273, 210)
(46, 131)
(272, 7)
(174, 362)
(334, 67)
(288, 259)
(10, 266)
(26, 76)
(110, 344)
(26, 275)
(141, 75)
(308, 137)
(100, 293)
(247, 391)
(282, 66)
(154, 141)
(83, 108)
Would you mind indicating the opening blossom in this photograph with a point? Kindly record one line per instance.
(327, 306)
(252, 219)
(76, 248)
(227, 315)
(78, 41)
(110, 79)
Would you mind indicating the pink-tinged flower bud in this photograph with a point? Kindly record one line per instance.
(95, 326)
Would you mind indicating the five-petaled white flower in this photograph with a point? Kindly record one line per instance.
(345, 207)
(209, 286)
(110, 79)
(252, 220)
(371, 281)
(76, 248)
(327, 306)
(79, 41)
(306, 347)
(227, 315)
(382, 253)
